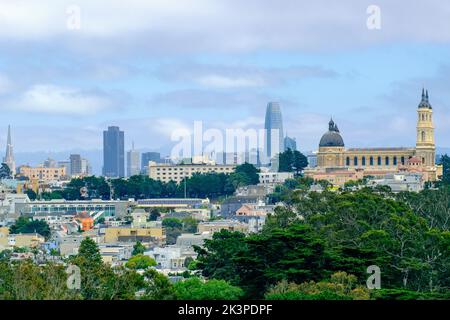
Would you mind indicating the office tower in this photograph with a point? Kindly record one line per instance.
(9, 155)
(113, 152)
(75, 165)
(49, 163)
(149, 156)
(133, 162)
(274, 143)
(85, 167)
(65, 164)
(290, 143)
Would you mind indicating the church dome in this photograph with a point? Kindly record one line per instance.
(333, 137)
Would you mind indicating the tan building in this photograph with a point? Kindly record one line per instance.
(216, 226)
(42, 174)
(130, 234)
(335, 162)
(176, 173)
(9, 241)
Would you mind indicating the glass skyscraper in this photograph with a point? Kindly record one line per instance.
(113, 153)
(274, 143)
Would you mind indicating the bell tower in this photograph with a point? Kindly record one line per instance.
(425, 145)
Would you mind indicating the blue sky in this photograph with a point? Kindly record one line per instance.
(152, 67)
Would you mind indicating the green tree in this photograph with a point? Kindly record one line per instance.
(139, 262)
(194, 289)
(138, 248)
(250, 172)
(27, 225)
(286, 160)
(299, 162)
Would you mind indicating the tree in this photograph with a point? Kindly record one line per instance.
(250, 172)
(299, 162)
(5, 171)
(445, 161)
(27, 225)
(140, 261)
(138, 248)
(286, 160)
(194, 289)
(31, 194)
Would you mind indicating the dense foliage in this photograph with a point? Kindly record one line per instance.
(27, 225)
(320, 234)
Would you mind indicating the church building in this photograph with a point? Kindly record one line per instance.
(334, 159)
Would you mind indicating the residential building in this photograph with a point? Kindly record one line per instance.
(151, 234)
(176, 173)
(401, 182)
(29, 240)
(269, 178)
(113, 152)
(42, 174)
(217, 225)
(187, 240)
(184, 203)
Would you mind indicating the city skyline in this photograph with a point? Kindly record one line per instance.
(151, 89)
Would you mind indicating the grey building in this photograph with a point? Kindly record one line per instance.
(113, 152)
(290, 143)
(133, 158)
(75, 164)
(149, 156)
(274, 143)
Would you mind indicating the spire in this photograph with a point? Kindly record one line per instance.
(331, 125)
(426, 96)
(9, 156)
(8, 142)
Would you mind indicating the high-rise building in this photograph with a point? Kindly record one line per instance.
(290, 143)
(85, 167)
(113, 152)
(133, 157)
(147, 157)
(50, 163)
(274, 143)
(9, 155)
(75, 165)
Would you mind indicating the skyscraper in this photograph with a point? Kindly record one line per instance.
(9, 155)
(274, 143)
(75, 165)
(133, 162)
(149, 156)
(290, 143)
(113, 152)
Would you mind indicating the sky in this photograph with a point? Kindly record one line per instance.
(70, 69)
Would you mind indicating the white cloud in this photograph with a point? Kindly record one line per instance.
(223, 25)
(52, 99)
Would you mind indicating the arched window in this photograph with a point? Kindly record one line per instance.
(347, 161)
(423, 136)
(355, 161)
(387, 161)
(371, 161)
(379, 161)
(403, 160)
(363, 161)
(423, 117)
(395, 161)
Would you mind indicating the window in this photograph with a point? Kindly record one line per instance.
(371, 161)
(387, 161)
(395, 161)
(347, 161)
(423, 136)
(363, 161)
(403, 160)
(355, 161)
(379, 161)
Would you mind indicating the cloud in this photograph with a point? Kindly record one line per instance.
(161, 26)
(239, 76)
(58, 100)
